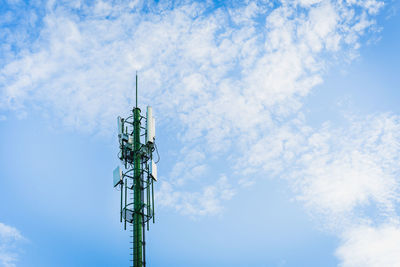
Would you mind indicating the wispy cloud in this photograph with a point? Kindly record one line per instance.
(344, 170)
(206, 202)
(9, 236)
(237, 65)
(349, 179)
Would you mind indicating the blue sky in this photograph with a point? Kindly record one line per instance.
(277, 124)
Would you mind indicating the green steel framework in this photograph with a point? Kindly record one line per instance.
(138, 178)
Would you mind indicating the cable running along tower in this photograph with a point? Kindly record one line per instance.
(135, 180)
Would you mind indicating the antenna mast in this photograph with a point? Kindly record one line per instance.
(138, 176)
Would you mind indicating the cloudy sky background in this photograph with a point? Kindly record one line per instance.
(277, 124)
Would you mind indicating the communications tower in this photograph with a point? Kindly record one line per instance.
(136, 135)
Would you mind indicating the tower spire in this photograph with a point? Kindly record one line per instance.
(137, 176)
(136, 89)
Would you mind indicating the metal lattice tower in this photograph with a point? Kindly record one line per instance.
(137, 176)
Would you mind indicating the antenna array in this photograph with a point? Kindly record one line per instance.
(136, 179)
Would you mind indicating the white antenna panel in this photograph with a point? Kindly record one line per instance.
(117, 176)
(149, 125)
(153, 170)
(120, 125)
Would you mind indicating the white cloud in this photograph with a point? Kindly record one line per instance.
(337, 172)
(370, 246)
(347, 178)
(343, 172)
(9, 236)
(230, 73)
(206, 202)
(224, 66)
